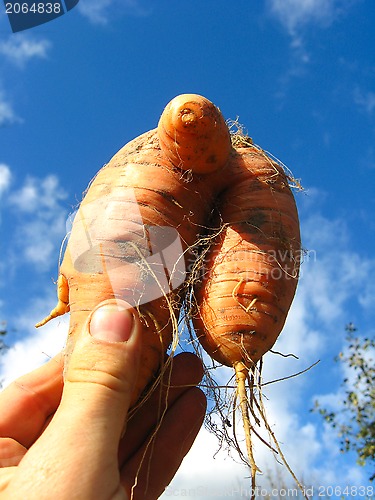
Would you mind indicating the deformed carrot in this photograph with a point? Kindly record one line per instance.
(143, 219)
(253, 263)
(133, 232)
(193, 134)
(251, 271)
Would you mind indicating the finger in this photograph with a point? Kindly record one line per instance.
(185, 371)
(103, 371)
(85, 431)
(11, 452)
(27, 403)
(6, 476)
(152, 468)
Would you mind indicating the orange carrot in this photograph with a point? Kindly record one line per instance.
(131, 235)
(194, 135)
(251, 271)
(252, 266)
(145, 212)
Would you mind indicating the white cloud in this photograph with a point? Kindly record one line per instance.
(100, 11)
(20, 48)
(7, 114)
(38, 220)
(5, 178)
(35, 226)
(39, 238)
(207, 473)
(202, 476)
(36, 195)
(95, 10)
(296, 14)
(335, 275)
(37, 346)
(5, 181)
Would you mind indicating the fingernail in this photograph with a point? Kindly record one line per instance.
(112, 323)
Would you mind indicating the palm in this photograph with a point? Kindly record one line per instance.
(27, 406)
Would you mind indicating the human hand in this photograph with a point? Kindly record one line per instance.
(64, 440)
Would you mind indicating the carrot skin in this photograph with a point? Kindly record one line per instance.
(193, 134)
(144, 212)
(137, 207)
(252, 266)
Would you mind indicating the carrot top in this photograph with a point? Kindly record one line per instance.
(193, 134)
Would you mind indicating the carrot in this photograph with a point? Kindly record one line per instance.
(252, 266)
(144, 218)
(194, 135)
(251, 270)
(134, 228)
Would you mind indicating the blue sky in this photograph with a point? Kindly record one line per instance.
(300, 75)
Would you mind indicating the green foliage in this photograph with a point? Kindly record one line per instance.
(354, 421)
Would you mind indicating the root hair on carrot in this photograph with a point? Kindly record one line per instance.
(242, 395)
(241, 139)
(231, 205)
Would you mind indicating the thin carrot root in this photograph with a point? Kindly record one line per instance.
(62, 306)
(241, 376)
(246, 280)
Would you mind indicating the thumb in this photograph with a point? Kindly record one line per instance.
(103, 368)
(84, 433)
